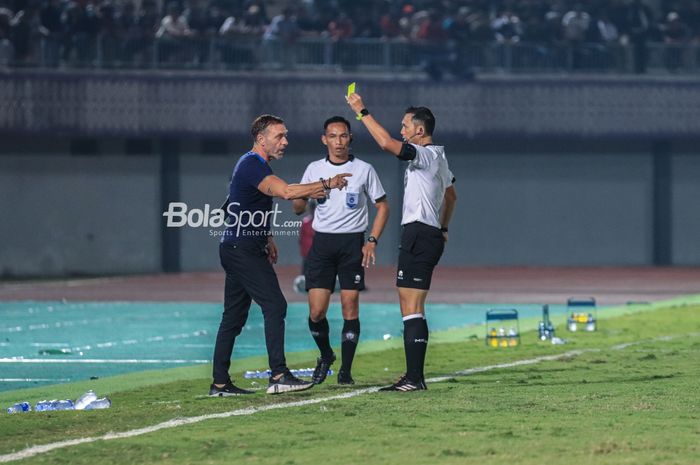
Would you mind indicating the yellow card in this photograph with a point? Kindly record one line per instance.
(351, 88)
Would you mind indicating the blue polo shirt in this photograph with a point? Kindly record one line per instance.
(247, 212)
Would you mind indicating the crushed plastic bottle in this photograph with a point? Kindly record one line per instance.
(48, 405)
(85, 400)
(63, 405)
(20, 407)
(99, 404)
(267, 373)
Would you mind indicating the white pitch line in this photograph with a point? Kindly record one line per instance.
(42, 449)
(24, 380)
(97, 360)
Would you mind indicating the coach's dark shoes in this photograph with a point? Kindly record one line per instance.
(229, 389)
(405, 385)
(344, 377)
(287, 383)
(321, 370)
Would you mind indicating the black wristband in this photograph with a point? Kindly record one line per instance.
(443, 229)
(364, 112)
(324, 184)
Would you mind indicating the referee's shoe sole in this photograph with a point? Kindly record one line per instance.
(287, 383)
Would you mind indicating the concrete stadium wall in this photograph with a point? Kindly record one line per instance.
(686, 209)
(64, 215)
(156, 104)
(546, 205)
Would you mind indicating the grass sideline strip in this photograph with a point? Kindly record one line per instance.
(174, 423)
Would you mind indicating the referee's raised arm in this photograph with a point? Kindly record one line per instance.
(376, 130)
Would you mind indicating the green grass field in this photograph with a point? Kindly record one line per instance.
(614, 403)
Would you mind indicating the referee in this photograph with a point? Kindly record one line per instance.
(428, 202)
(247, 253)
(339, 247)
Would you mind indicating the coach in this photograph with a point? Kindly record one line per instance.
(248, 251)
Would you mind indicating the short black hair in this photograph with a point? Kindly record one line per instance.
(262, 122)
(424, 116)
(336, 119)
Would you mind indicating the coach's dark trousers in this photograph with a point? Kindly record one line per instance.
(249, 276)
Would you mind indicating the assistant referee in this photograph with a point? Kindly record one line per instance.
(339, 247)
(428, 203)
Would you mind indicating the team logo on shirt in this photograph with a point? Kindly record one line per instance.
(351, 199)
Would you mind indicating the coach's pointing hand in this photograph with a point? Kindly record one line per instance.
(355, 102)
(338, 181)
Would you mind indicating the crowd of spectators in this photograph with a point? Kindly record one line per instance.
(52, 32)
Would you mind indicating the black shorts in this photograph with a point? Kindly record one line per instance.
(334, 255)
(420, 250)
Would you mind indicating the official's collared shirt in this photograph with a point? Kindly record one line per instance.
(344, 211)
(427, 176)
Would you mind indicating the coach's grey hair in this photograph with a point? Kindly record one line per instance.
(262, 122)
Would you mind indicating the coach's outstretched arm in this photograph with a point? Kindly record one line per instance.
(380, 135)
(277, 187)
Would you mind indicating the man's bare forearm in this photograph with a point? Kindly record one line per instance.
(448, 206)
(381, 135)
(380, 219)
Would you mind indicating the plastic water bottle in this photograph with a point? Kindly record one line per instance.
(42, 406)
(99, 404)
(85, 400)
(63, 405)
(48, 405)
(267, 373)
(20, 407)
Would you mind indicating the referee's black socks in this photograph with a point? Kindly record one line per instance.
(348, 343)
(319, 331)
(415, 343)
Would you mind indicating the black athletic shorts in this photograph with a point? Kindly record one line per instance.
(334, 255)
(421, 248)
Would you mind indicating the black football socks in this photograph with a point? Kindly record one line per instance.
(415, 343)
(319, 331)
(348, 343)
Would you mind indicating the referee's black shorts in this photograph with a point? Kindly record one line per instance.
(420, 251)
(334, 255)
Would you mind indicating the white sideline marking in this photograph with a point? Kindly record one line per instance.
(23, 380)
(96, 360)
(42, 449)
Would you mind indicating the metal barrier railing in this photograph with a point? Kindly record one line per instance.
(217, 53)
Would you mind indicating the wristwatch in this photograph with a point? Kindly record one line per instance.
(364, 112)
(443, 229)
(372, 239)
